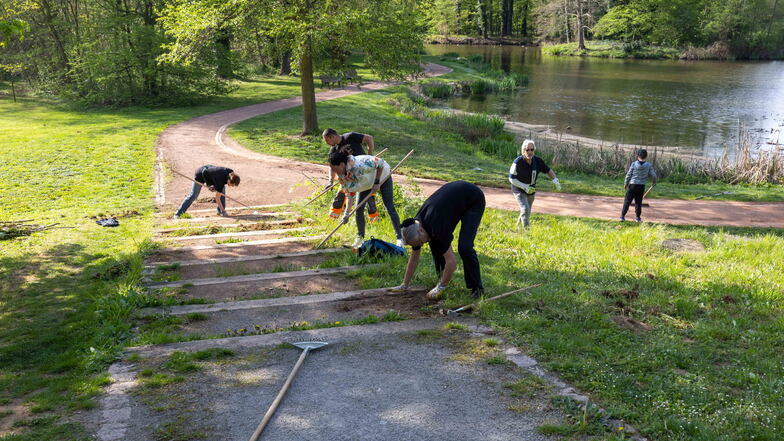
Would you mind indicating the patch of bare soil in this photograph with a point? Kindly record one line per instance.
(249, 250)
(682, 245)
(11, 414)
(298, 286)
(631, 324)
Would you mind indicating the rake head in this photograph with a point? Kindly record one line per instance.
(309, 345)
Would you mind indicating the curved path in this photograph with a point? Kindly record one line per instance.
(271, 180)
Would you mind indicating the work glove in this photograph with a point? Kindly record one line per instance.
(557, 184)
(344, 220)
(399, 288)
(211, 188)
(436, 292)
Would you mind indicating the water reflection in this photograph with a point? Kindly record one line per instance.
(669, 103)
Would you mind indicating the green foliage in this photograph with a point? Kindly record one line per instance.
(12, 28)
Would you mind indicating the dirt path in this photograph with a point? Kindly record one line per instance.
(267, 179)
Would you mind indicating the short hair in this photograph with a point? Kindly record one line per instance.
(338, 157)
(642, 153)
(234, 179)
(409, 230)
(328, 132)
(525, 144)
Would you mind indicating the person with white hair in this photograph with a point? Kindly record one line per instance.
(434, 224)
(523, 174)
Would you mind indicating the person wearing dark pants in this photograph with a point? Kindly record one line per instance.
(634, 184)
(435, 223)
(365, 175)
(216, 179)
(353, 142)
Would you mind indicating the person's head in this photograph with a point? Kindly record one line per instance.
(642, 154)
(331, 137)
(528, 148)
(234, 180)
(338, 160)
(413, 233)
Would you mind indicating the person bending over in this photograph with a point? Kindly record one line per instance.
(523, 174)
(434, 224)
(364, 175)
(352, 141)
(634, 184)
(216, 179)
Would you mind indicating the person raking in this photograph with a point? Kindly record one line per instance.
(216, 179)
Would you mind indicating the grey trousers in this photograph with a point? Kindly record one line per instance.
(525, 201)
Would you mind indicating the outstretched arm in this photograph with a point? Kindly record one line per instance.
(449, 267)
(413, 262)
(370, 144)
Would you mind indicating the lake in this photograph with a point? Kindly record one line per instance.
(700, 105)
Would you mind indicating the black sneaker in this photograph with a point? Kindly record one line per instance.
(477, 292)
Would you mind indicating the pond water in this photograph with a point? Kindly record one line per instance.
(700, 105)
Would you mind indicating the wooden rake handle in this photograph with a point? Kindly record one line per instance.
(279, 397)
(332, 185)
(205, 186)
(649, 190)
(362, 202)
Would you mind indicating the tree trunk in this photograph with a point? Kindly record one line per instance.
(772, 15)
(285, 63)
(566, 23)
(524, 30)
(13, 89)
(309, 117)
(481, 19)
(580, 32)
(508, 14)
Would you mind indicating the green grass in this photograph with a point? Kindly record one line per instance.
(709, 368)
(613, 49)
(443, 154)
(67, 294)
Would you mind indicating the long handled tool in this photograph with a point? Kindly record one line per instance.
(205, 186)
(645, 204)
(362, 202)
(306, 347)
(466, 308)
(330, 186)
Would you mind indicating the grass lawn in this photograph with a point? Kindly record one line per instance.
(67, 293)
(442, 154)
(683, 345)
(613, 49)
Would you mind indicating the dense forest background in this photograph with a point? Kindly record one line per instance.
(120, 52)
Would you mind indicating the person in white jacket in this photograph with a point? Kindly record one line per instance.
(362, 175)
(523, 174)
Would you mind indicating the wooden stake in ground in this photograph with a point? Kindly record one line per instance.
(205, 186)
(362, 202)
(332, 185)
(645, 204)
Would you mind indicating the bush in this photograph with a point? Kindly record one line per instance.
(438, 89)
(451, 55)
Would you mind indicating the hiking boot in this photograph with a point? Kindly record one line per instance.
(638, 220)
(373, 217)
(477, 292)
(358, 242)
(622, 219)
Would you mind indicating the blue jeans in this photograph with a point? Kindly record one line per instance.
(191, 198)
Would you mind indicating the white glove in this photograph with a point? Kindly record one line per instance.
(557, 184)
(399, 288)
(435, 293)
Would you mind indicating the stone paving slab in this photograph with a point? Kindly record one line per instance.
(255, 277)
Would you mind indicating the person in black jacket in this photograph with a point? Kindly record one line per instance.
(351, 142)
(523, 174)
(216, 179)
(434, 224)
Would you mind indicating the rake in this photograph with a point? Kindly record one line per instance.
(306, 347)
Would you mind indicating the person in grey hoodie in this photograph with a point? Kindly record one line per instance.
(634, 184)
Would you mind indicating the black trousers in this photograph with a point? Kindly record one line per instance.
(388, 198)
(469, 226)
(635, 192)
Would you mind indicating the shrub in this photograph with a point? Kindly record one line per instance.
(438, 89)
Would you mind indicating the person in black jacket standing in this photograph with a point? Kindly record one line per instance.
(453, 203)
(523, 175)
(216, 179)
(351, 142)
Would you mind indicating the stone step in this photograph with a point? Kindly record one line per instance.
(242, 265)
(243, 249)
(237, 217)
(273, 315)
(239, 244)
(236, 234)
(260, 286)
(239, 208)
(208, 261)
(251, 226)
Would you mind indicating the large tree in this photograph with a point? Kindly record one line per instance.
(389, 32)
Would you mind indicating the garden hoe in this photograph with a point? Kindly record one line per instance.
(306, 347)
(456, 312)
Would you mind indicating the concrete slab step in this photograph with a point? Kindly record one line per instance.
(255, 277)
(246, 265)
(236, 234)
(244, 249)
(237, 217)
(270, 317)
(241, 259)
(248, 226)
(279, 240)
(239, 209)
